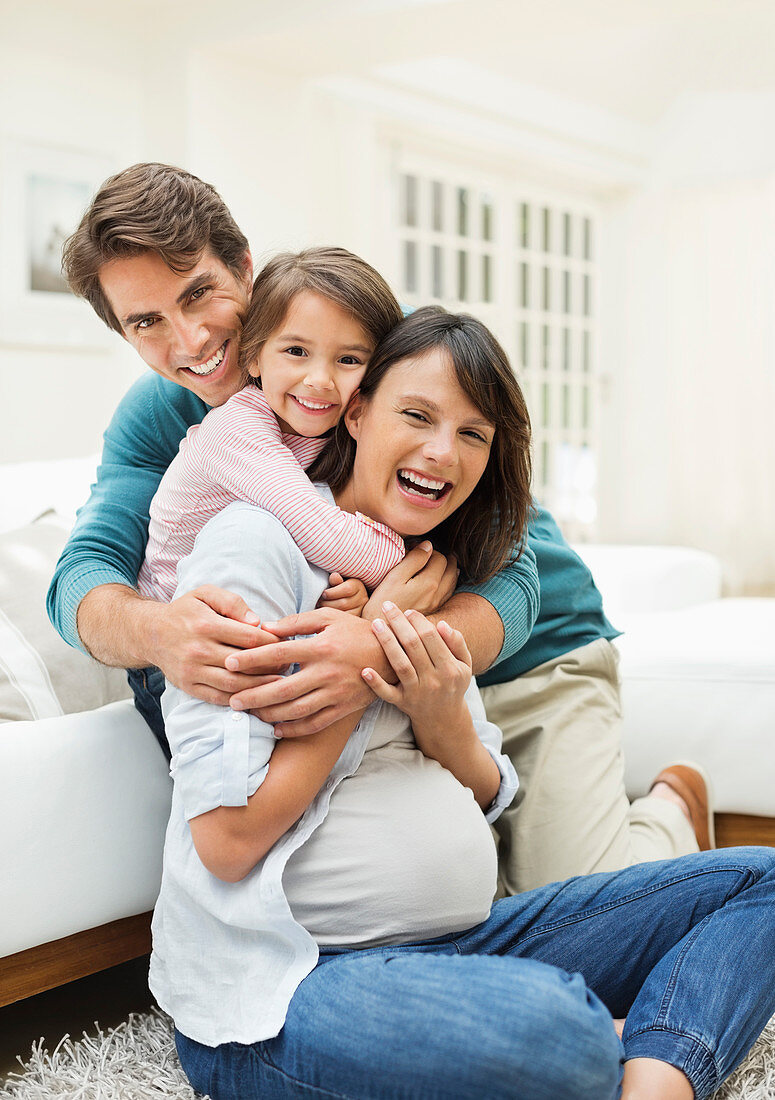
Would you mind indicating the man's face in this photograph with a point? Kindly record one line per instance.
(185, 327)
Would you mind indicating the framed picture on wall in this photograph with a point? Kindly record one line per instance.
(44, 190)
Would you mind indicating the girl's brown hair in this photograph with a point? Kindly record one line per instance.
(487, 528)
(334, 273)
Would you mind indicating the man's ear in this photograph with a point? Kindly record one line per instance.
(353, 414)
(247, 266)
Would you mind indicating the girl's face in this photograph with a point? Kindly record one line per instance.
(422, 446)
(312, 364)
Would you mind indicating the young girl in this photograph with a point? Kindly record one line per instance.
(313, 322)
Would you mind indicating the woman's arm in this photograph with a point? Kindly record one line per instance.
(240, 789)
(433, 667)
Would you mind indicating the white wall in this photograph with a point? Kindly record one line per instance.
(688, 443)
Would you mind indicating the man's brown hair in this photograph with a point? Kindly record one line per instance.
(150, 208)
(334, 273)
(489, 527)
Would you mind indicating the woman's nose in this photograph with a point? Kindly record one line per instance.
(441, 448)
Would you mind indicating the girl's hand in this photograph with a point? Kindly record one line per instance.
(424, 580)
(344, 595)
(433, 667)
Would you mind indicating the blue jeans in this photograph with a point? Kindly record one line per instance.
(148, 687)
(521, 1005)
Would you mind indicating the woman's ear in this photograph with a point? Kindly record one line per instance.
(353, 414)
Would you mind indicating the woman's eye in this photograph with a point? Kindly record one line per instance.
(295, 350)
(416, 415)
(477, 436)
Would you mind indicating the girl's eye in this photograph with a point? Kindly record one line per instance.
(295, 350)
(349, 361)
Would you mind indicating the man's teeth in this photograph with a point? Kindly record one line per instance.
(211, 364)
(428, 483)
(313, 404)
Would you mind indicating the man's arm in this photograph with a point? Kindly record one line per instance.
(92, 601)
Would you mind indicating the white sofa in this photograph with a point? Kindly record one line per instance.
(86, 793)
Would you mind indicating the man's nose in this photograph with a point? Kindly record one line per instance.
(191, 337)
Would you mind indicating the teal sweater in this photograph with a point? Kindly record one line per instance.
(108, 541)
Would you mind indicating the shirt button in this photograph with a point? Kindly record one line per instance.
(235, 716)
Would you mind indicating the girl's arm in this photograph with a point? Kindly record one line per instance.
(239, 447)
(433, 667)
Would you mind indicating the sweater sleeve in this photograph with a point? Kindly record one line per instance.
(240, 448)
(514, 592)
(108, 541)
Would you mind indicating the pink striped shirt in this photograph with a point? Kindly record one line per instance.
(238, 452)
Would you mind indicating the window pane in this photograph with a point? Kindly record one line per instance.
(547, 289)
(437, 206)
(566, 406)
(546, 401)
(462, 276)
(437, 272)
(587, 239)
(566, 354)
(524, 283)
(410, 267)
(487, 292)
(487, 218)
(547, 229)
(566, 303)
(524, 225)
(586, 352)
(524, 343)
(545, 346)
(462, 211)
(410, 200)
(587, 295)
(585, 408)
(566, 234)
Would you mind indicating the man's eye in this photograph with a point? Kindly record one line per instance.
(295, 350)
(198, 293)
(145, 323)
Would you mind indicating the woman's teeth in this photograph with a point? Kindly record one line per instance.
(211, 364)
(422, 486)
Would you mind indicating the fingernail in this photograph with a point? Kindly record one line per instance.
(444, 624)
(278, 733)
(409, 611)
(388, 606)
(269, 625)
(252, 618)
(232, 664)
(426, 546)
(236, 704)
(378, 625)
(367, 673)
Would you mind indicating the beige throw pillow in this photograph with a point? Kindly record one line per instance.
(40, 675)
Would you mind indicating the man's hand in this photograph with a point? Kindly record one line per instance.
(188, 639)
(191, 637)
(423, 581)
(328, 685)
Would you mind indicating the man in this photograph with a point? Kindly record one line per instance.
(162, 262)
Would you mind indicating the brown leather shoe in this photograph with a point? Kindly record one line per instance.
(691, 782)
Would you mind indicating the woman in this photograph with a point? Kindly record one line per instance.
(324, 926)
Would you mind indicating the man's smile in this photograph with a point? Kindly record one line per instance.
(209, 366)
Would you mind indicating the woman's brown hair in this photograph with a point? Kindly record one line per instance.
(487, 529)
(334, 273)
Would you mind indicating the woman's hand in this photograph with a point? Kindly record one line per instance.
(344, 595)
(424, 580)
(433, 667)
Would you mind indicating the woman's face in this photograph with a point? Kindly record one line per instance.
(422, 446)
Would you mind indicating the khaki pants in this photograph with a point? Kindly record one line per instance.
(561, 727)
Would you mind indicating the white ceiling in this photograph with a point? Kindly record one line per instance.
(634, 58)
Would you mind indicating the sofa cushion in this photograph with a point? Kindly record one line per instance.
(40, 675)
(699, 683)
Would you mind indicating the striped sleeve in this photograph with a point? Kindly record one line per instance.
(240, 448)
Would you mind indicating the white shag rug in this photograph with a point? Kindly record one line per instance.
(137, 1061)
